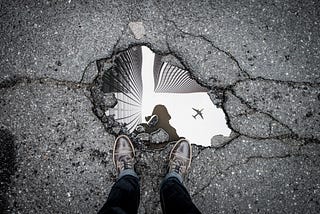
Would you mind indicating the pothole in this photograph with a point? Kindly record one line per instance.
(147, 84)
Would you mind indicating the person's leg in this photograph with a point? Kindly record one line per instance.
(174, 196)
(124, 196)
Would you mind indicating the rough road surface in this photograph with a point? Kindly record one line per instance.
(260, 59)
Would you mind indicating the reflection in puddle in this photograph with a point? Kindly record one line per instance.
(169, 93)
(158, 127)
(125, 81)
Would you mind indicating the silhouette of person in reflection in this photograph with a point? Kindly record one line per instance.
(163, 122)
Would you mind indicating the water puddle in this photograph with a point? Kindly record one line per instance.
(159, 102)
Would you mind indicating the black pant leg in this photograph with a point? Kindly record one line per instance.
(124, 197)
(175, 198)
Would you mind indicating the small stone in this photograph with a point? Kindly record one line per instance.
(104, 119)
(137, 29)
(159, 136)
(140, 128)
(216, 97)
(116, 130)
(143, 137)
(219, 140)
(58, 63)
(109, 100)
(98, 112)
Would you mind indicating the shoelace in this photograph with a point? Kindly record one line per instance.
(178, 166)
(125, 162)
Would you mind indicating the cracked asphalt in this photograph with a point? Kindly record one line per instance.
(259, 59)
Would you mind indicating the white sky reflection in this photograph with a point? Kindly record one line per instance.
(198, 131)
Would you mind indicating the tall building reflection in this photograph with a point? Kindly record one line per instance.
(125, 81)
(171, 79)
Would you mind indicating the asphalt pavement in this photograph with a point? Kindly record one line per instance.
(260, 60)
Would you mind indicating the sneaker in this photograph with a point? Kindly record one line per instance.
(180, 157)
(140, 128)
(153, 120)
(123, 153)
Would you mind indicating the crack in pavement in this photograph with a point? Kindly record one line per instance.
(36, 101)
(165, 17)
(16, 81)
(185, 67)
(290, 83)
(248, 76)
(76, 85)
(85, 70)
(80, 85)
(245, 161)
(213, 45)
(267, 114)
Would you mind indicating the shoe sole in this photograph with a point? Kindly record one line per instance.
(190, 158)
(114, 147)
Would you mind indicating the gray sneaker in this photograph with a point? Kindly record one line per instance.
(153, 120)
(180, 157)
(123, 153)
(140, 128)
